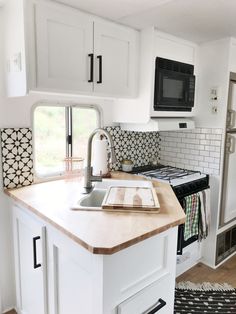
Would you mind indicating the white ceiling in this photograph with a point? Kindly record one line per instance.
(195, 20)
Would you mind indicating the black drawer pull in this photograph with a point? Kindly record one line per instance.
(156, 307)
(100, 69)
(36, 265)
(91, 67)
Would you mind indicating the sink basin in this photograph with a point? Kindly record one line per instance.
(94, 199)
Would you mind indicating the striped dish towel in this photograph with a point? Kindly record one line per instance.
(191, 208)
(204, 220)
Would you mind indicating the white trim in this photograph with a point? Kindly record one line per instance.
(65, 103)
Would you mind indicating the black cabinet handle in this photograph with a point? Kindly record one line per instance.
(91, 67)
(100, 69)
(36, 265)
(156, 307)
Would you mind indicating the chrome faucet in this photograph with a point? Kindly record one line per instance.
(88, 175)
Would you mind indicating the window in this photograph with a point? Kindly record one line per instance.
(61, 133)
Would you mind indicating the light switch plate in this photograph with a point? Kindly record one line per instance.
(16, 62)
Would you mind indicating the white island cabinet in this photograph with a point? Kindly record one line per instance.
(70, 279)
(30, 263)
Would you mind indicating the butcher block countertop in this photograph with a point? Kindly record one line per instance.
(98, 232)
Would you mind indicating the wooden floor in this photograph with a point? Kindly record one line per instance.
(200, 273)
(11, 312)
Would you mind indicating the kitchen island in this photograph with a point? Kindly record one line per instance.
(92, 262)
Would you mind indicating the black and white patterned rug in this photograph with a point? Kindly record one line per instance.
(204, 298)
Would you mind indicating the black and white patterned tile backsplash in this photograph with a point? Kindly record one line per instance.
(17, 157)
(140, 147)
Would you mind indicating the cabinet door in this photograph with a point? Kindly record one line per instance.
(115, 58)
(29, 236)
(64, 40)
(72, 289)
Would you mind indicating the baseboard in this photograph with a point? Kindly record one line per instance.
(10, 312)
(221, 263)
(191, 256)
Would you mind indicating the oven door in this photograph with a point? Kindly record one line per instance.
(174, 91)
(181, 191)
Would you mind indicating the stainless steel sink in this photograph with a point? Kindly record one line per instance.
(94, 199)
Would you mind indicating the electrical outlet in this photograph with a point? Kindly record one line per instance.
(214, 93)
(183, 258)
(214, 109)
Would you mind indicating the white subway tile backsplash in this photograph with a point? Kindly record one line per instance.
(217, 131)
(180, 165)
(208, 170)
(203, 164)
(204, 153)
(217, 161)
(201, 136)
(206, 131)
(198, 169)
(205, 142)
(214, 166)
(198, 149)
(193, 162)
(215, 154)
(191, 135)
(199, 158)
(218, 148)
(216, 143)
(209, 159)
(182, 145)
(180, 155)
(194, 152)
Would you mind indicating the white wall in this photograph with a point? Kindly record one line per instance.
(14, 44)
(17, 111)
(1, 52)
(213, 72)
(7, 293)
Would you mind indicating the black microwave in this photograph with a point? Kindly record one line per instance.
(174, 86)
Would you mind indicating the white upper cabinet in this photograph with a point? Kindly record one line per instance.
(64, 40)
(67, 51)
(114, 49)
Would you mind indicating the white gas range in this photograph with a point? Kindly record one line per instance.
(183, 182)
(172, 175)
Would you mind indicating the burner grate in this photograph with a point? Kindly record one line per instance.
(168, 173)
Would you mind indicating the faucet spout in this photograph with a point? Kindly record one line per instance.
(88, 175)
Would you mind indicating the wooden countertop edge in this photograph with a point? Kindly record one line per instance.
(92, 249)
(50, 221)
(115, 249)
